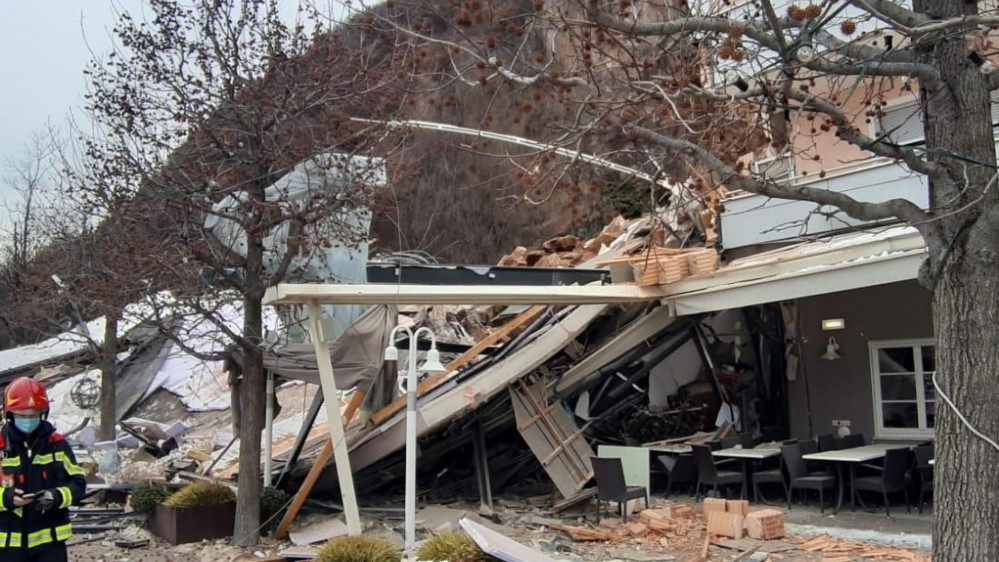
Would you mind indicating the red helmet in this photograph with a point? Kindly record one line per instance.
(25, 394)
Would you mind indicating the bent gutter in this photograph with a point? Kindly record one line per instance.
(470, 394)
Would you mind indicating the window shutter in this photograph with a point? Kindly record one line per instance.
(903, 125)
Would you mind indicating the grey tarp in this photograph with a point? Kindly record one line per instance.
(357, 355)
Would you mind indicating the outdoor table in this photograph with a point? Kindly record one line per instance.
(758, 453)
(853, 457)
(677, 449)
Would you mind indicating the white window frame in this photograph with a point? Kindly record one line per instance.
(880, 431)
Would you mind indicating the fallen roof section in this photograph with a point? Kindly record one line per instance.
(840, 263)
(455, 399)
(332, 293)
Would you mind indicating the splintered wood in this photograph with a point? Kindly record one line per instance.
(833, 550)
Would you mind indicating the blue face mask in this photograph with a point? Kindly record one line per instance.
(27, 426)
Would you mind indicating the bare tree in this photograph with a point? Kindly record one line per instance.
(199, 116)
(802, 75)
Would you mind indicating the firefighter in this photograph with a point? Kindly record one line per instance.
(40, 479)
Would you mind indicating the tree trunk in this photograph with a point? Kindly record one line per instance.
(252, 391)
(109, 371)
(966, 499)
(961, 272)
(251, 425)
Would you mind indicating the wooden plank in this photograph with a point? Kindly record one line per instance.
(569, 471)
(434, 381)
(565, 444)
(556, 433)
(534, 419)
(316, 470)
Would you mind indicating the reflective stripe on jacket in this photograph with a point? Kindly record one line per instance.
(46, 463)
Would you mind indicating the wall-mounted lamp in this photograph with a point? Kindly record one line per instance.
(833, 324)
(984, 65)
(832, 350)
(733, 78)
(805, 51)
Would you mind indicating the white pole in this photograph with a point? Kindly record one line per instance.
(269, 431)
(332, 402)
(411, 381)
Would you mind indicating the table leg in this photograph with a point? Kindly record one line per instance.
(745, 479)
(842, 484)
(853, 490)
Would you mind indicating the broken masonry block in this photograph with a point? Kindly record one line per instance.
(726, 524)
(765, 524)
(737, 506)
(714, 504)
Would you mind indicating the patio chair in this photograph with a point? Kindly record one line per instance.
(709, 475)
(612, 487)
(729, 442)
(768, 476)
(747, 440)
(852, 440)
(922, 472)
(679, 469)
(826, 442)
(799, 477)
(891, 478)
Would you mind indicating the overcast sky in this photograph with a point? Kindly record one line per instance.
(44, 47)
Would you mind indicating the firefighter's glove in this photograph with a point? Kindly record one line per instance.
(43, 501)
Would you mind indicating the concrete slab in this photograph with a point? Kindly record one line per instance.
(318, 531)
(501, 547)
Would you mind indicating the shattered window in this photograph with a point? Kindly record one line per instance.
(903, 388)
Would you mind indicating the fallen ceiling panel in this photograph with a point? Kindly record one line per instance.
(553, 438)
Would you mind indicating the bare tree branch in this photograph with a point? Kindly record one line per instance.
(892, 209)
(891, 13)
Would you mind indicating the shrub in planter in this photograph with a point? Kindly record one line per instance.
(359, 549)
(455, 546)
(203, 510)
(201, 493)
(272, 501)
(147, 495)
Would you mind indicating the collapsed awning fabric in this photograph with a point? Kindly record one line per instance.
(357, 356)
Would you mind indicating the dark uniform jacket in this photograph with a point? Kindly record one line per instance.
(44, 462)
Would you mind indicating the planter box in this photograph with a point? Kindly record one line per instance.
(179, 525)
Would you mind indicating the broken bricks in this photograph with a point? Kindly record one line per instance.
(765, 524)
(725, 524)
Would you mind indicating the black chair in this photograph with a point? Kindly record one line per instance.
(808, 447)
(922, 472)
(891, 479)
(768, 476)
(771, 433)
(852, 440)
(709, 475)
(612, 487)
(729, 442)
(799, 477)
(747, 440)
(679, 469)
(826, 442)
